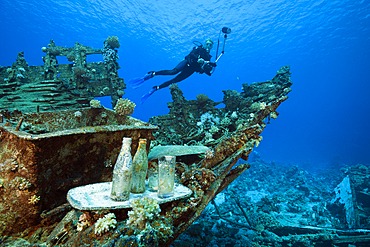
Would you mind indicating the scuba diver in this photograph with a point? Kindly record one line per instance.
(198, 60)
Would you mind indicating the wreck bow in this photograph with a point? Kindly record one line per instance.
(216, 171)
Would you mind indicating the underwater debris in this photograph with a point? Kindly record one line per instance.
(289, 206)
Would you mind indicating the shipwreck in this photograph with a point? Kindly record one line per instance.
(56, 139)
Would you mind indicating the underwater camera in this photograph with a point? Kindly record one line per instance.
(209, 68)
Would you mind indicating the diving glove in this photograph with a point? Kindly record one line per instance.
(201, 61)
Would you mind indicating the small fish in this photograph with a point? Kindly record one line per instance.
(238, 78)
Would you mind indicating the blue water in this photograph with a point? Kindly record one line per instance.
(326, 43)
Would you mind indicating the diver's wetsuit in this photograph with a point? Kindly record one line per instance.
(187, 66)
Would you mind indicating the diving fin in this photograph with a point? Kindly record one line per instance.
(146, 96)
(136, 82)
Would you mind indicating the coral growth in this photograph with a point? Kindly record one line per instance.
(71, 57)
(82, 74)
(143, 211)
(274, 115)
(209, 154)
(202, 98)
(20, 183)
(105, 224)
(109, 52)
(113, 41)
(201, 179)
(79, 71)
(78, 114)
(194, 123)
(83, 222)
(53, 50)
(95, 103)
(18, 71)
(124, 107)
(9, 165)
(258, 106)
(110, 55)
(34, 199)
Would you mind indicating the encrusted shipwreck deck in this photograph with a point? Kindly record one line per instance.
(53, 152)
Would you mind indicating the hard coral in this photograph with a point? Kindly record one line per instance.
(256, 106)
(79, 71)
(124, 107)
(202, 98)
(95, 103)
(20, 183)
(77, 114)
(83, 222)
(109, 54)
(143, 210)
(113, 42)
(53, 50)
(34, 199)
(274, 115)
(71, 57)
(10, 165)
(104, 224)
(209, 154)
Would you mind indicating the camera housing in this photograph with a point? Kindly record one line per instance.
(208, 69)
